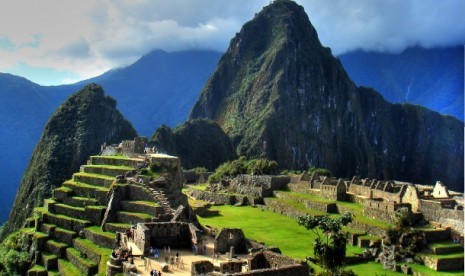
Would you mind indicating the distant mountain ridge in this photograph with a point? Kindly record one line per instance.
(278, 93)
(433, 78)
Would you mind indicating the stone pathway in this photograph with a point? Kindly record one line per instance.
(135, 250)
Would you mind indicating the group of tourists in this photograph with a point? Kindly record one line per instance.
(172, 260)
(154, 272)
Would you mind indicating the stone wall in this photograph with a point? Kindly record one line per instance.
(433, 211)
(258, 185)
(270, 263)
(411, 196)
(230, 237)
(437, 235)
(173, 165)
(231, 267)
(160, 234)
(387, 196)
(280, 208)
(221, 199)
(388, 191)
(356, 198)
(361, 190)
(370, 229)
(201, 268)
(443, 264)
(333, 192)
(319, 206)
(138, 192)
(384, 211)
(299, 188)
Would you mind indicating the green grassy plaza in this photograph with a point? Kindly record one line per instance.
(294, 240)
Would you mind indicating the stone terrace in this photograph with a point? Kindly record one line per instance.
(70, 239)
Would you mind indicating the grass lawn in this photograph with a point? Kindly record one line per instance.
(293, 240)
(268, 227)
(371, 268)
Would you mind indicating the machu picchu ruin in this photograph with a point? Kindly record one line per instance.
(433, 211)
(120, 206)
(230, 141)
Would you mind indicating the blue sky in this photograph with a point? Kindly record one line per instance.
(61, 41)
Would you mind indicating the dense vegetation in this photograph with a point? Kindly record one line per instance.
(76, 130)
(14, 254)
(244, 166)
(199, 143)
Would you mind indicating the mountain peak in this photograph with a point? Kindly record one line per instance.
(279, 24)
(278, 93)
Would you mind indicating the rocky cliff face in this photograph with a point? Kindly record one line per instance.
(77, 129)
(198, 143)
(277, 92)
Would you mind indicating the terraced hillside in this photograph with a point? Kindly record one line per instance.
(69, 234)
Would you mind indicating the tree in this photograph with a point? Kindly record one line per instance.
(330, 245)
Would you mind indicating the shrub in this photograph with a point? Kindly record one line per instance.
(199, 170)
(14, 259)
(243, 166)
(320, 171)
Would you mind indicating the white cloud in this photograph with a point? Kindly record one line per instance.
(89, 37)
(387, 25)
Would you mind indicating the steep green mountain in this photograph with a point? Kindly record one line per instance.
(429, 77)
(159, 88)
(76, 130)
(278, 93)
(199, 143)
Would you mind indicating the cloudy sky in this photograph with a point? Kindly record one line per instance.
(63, 41)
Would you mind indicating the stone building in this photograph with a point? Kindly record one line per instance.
(230, 237)
(161, 234)
(263, 263)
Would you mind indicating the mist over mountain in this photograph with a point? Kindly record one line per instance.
(278, 93)
(433, 78)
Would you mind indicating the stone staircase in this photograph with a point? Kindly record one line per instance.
(162, 199)
(71, 239)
